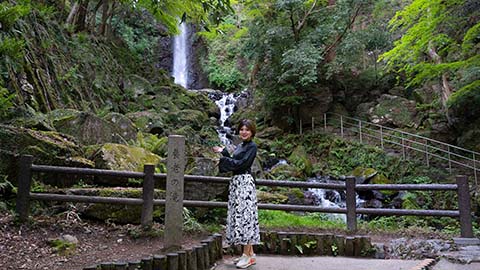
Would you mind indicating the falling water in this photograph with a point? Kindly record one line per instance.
(226, 105)
(330, 198)
(180, 56)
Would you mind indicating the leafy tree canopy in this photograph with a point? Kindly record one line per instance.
(438, 39)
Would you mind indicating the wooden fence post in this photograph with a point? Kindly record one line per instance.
(351, 204)
(324, 122)
(24, 175)
(174, 192)
(147, 195)
(360, 130)
(341, 125)
(464, 207)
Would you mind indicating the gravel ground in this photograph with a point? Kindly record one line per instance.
(28, 246)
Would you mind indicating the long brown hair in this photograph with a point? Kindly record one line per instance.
(249, 124)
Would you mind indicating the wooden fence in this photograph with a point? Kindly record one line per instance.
(174, 201)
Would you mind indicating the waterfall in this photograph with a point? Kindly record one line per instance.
(226, 104)
(331, 198)
(180, 46)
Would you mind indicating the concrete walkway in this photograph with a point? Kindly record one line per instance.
(443, 264)
(272, 262)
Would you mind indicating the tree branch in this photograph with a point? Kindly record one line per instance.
(301, 23)
(340, 37)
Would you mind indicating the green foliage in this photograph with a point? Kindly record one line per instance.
(223, 62)
(10, 13)
(471, 41)
(5, 102)
(152, 143)
(12, 48)
(299, 64)
(189, 222)
(224, 75)
(442, 31)
(6, 186)
(63, 247)
(467, 99)
(171, 11)
(281, 219)
(140, 34)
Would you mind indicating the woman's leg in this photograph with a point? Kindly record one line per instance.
(248, 250)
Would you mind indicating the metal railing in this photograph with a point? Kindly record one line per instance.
(408, 145)
(174, 201)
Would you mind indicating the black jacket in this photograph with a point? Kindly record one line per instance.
(242, 159)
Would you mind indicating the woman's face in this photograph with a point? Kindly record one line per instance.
(245, 133)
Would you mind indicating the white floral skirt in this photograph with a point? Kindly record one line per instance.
(242, 219)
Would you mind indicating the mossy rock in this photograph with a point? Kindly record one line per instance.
(270, 133)
(285, 172)
(299, 158)
(365, 173)
(123, 158)
(29, 118)
(382, 179)
(86, 127)
(194, 100)
(394, 110)
(123, 128)
(47, 148)
(193, 118)
(136, 86)
(202, 191)
(269, 197)
(150, 121)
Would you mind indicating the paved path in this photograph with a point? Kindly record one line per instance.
(446, 265)
(272, 262)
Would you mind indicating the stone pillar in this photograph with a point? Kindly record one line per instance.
(174, 192)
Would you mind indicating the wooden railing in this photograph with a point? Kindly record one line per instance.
(174, 201)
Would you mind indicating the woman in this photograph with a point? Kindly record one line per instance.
(242, 219)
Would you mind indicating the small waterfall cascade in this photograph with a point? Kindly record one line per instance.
(227, 105)
(180, 56)
(331, 198)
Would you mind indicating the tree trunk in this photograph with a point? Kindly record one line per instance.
(73, 13)
(446, 88)
(82, 15)
(332, 52)
(110, 18)
(103, 25)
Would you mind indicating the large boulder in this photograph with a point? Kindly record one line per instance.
(150, 121)
(47, 148)
(186, 100)
(394, 111)
(193, 118)
(27, 117)
(135, 86)
(122, 158)
(123, 129)
(86, 127)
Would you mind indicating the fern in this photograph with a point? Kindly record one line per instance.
(5, 102)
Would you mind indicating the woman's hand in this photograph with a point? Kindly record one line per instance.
(217, 149)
